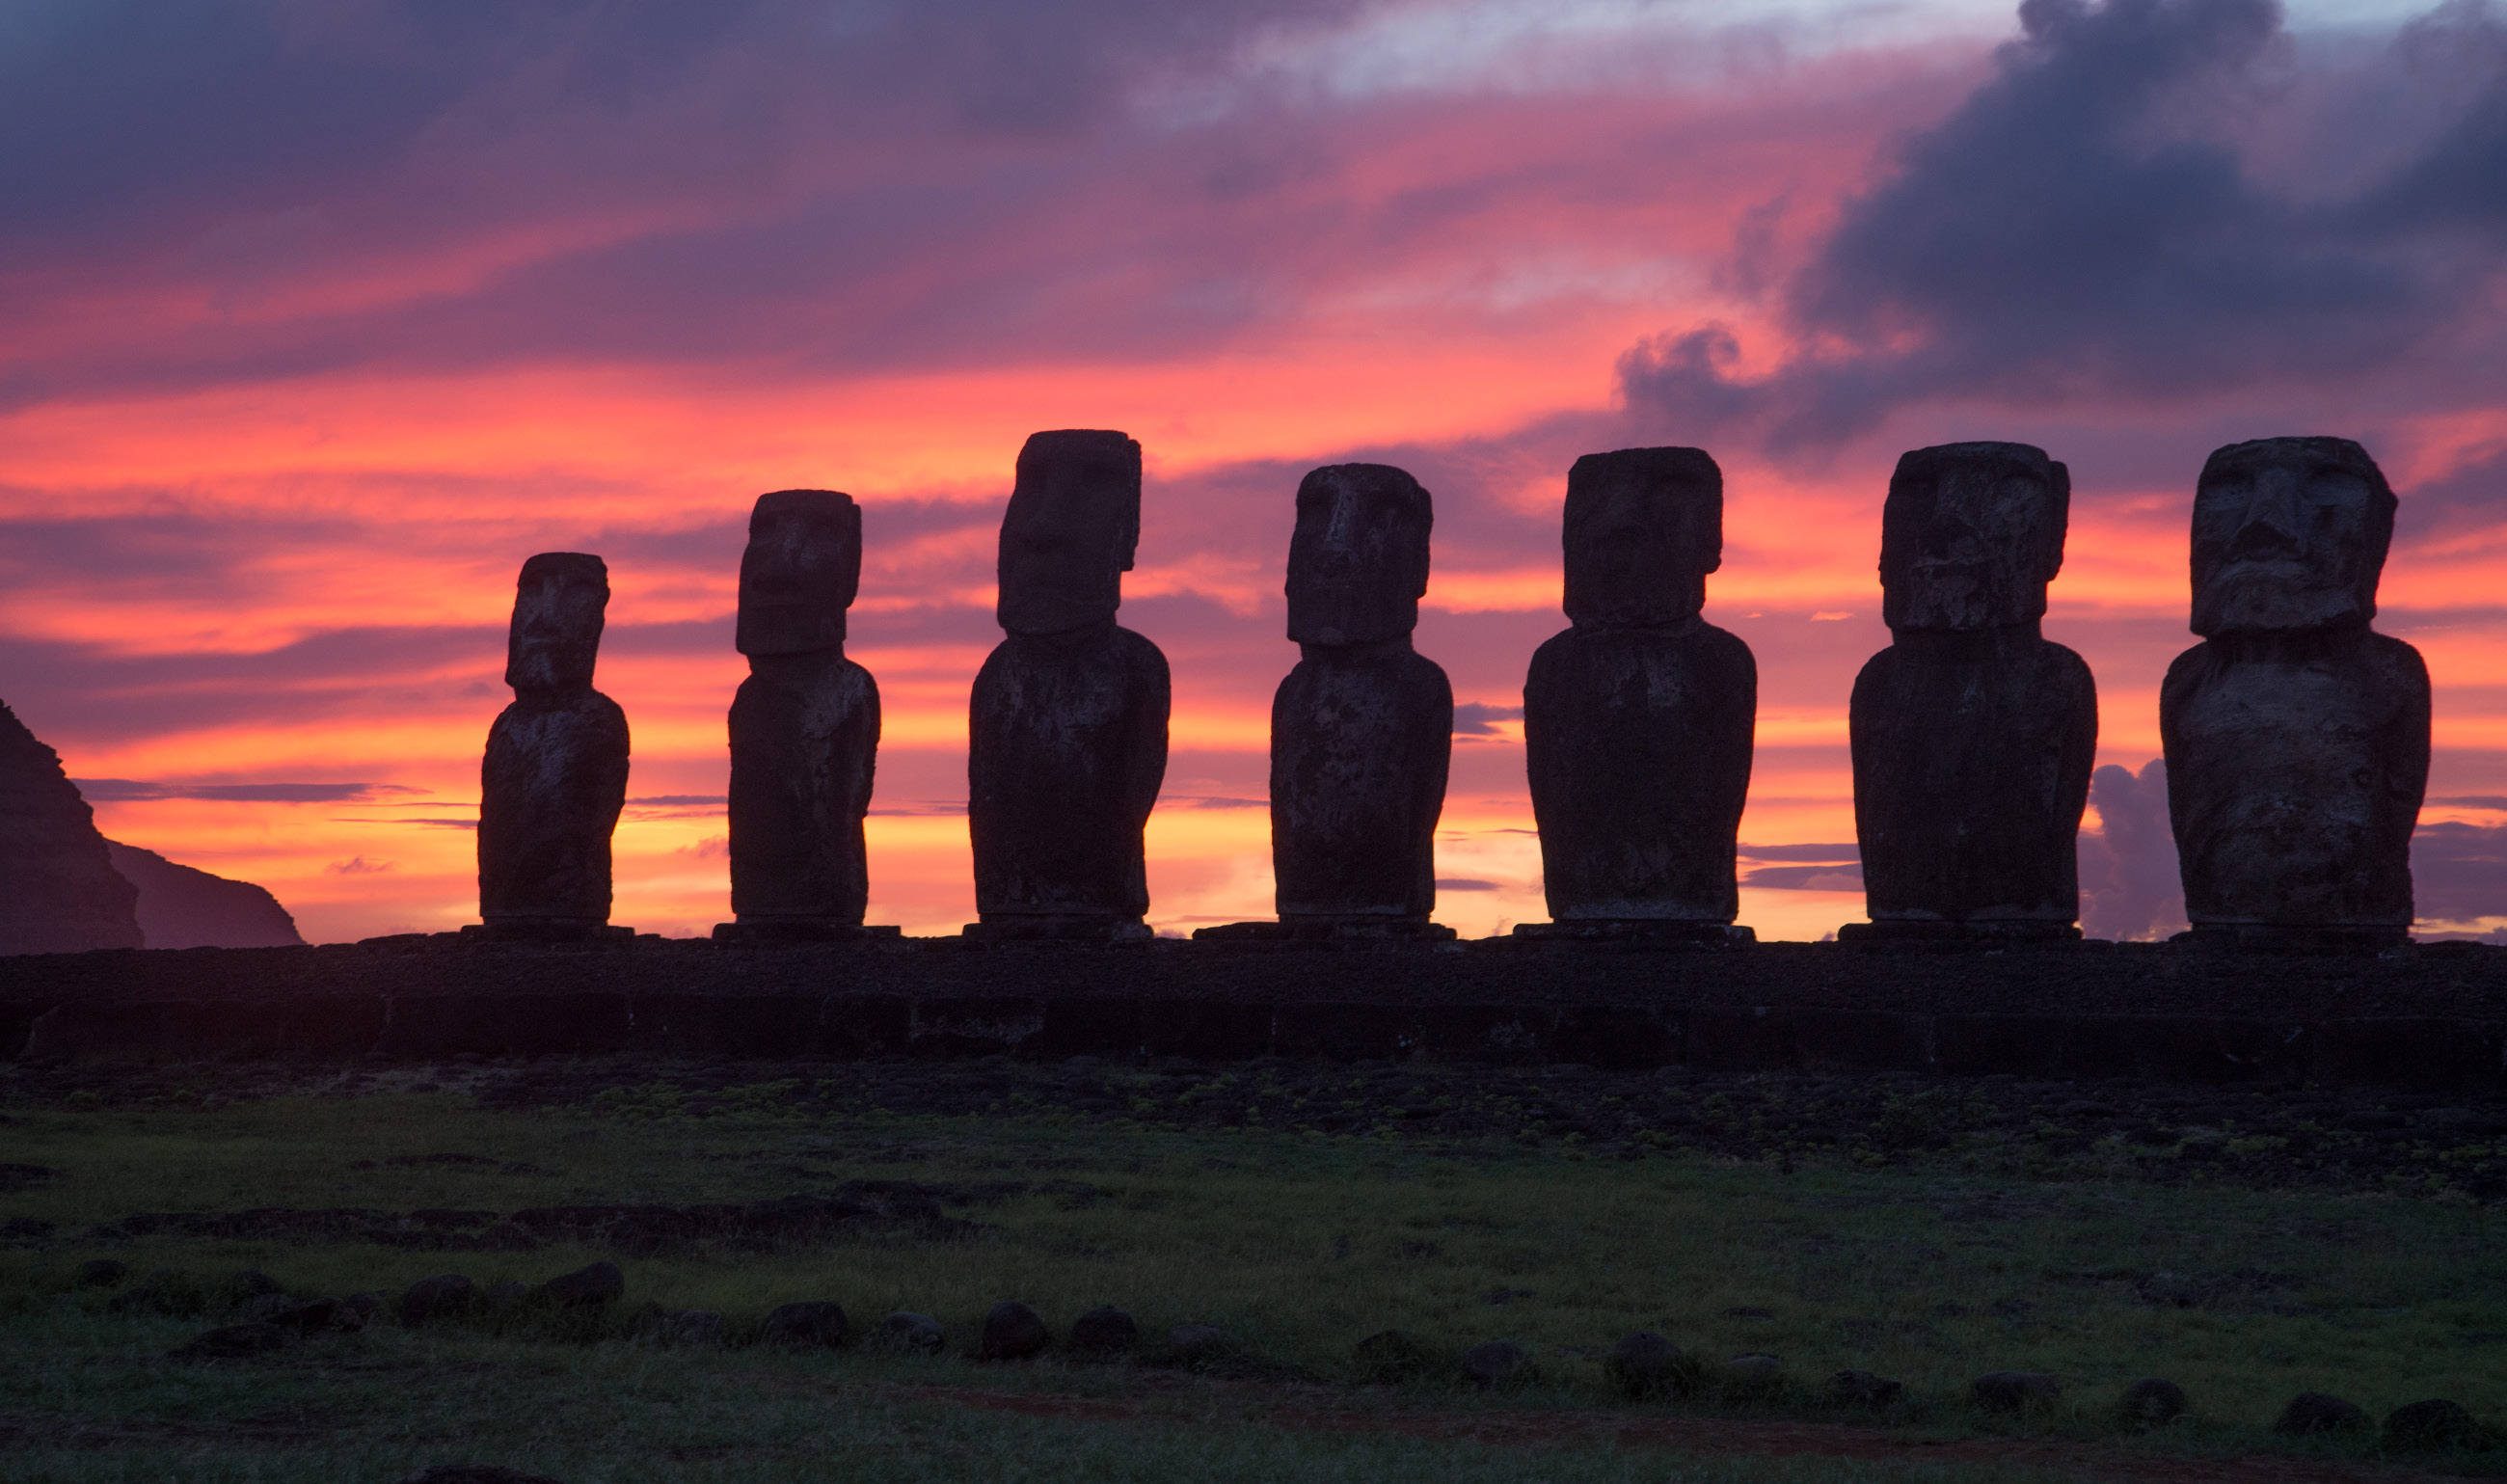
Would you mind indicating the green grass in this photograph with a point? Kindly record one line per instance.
(1301, 1244)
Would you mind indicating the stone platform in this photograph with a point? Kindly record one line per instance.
(2429, 1015)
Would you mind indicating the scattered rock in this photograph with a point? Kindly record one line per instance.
(2015, 1392)
(475, 1473)
(507, 1294)
(231, 1341)
(598, 1284)
(1643, 1363)
(2315, 1412)
(1198, 1344)
(1753, 1377)
(813, 1323)
(2151, 1403)
(368, 1308)
(1389, 1357)
(908, 1330)
(262, 1307)
(2433, 1426)
(169, 1291)
(1498, 1366)
(1104, 1330)
(1013, 1332)
(101, 1272)
(1862, 1388)
(446, 1295)
(693, 1327)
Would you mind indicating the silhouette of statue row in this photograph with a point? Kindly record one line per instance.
(2296, 738)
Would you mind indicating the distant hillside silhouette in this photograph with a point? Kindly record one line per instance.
(185, 907)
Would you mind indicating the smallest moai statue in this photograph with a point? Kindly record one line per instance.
(1637, 721)
(554, 776)
(1973, 735)
(804, 727)
(1067, 727)
(2297, 738)
(1362, 729)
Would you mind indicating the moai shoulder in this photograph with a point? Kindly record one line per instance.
(1362, 729)
(1972, 736)
(1638, 719)
(2297, 738)
(804, 727)
(554, 776)
(1067, 720)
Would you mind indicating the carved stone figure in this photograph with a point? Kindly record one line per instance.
(554, 776)
(1972, 736)
(1067, 725)
(2297, 738)
(804, 726)
(1362, 727)
(1637, 721)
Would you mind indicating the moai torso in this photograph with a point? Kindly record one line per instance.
(1067, 723)
(1638, 721)
(554, 776)
(2296, 738)
(1361, 729)
(805, 724)
(1972, 736)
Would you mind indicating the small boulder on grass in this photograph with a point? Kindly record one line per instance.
(2310, 1412)
(1012, 1331)
(1755, 1377)
(446, 1295)
(2151, 1403)
(598, 1283)
(1498, 1366)
(1643, 1364)
(1193, 1346)
(233, 1342)
(812, 1324)
(1862, 1388)
(2435, 1426)
(698, 1327)
(1387, 1357)
(169, 1291)
(101, 1272)
(1104, 1330)
(2011, 1393)
(908, 1330)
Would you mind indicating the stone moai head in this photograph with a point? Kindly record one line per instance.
(1067, 537)
(1644, 526)
(2289, 533)
(558, 604)
(1970, 536)
(1358, 563)
(800, 571)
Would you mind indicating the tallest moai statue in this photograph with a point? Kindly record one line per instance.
(2297, 738)
(1973, 735)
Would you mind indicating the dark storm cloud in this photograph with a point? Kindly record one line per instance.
(2089, 222)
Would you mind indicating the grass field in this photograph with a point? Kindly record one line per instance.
(1924, 1269)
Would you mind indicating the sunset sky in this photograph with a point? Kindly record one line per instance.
(318, 316)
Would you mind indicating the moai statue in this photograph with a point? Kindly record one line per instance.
(1068, 727)
(1362, 727)
(1972, 736)
(554, 776)
(2297, 738)
(804, 727)
(1637, 721)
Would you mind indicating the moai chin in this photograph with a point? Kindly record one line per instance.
(554, 776)
(804, 727)
(1637, 721)
(1067, 723)
(2297, 738)
(1363, 727)
(1972, 736)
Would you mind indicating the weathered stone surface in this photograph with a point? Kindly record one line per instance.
(1972, 736)
(2316, 1412)
(2296, 738)
(185, 907)
(233, 1342)
(2151, 1403)
(101, 1272)
(1202, 1345)
(1067, 723)
(1387, 1357)
(1104, 1330)
(2433, 1426)
(1644, 1363)
(809, 1324)
(1498, 1366)
(1862, 1388)
(58, 891)
(1012, 1331)
(1637, 721)
(2015, 1390)
(1362, 729)
(804, 725)
(907, 1330)
(555, 777)
(446, 1295)
(599, 1283)
(1753, 1377)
